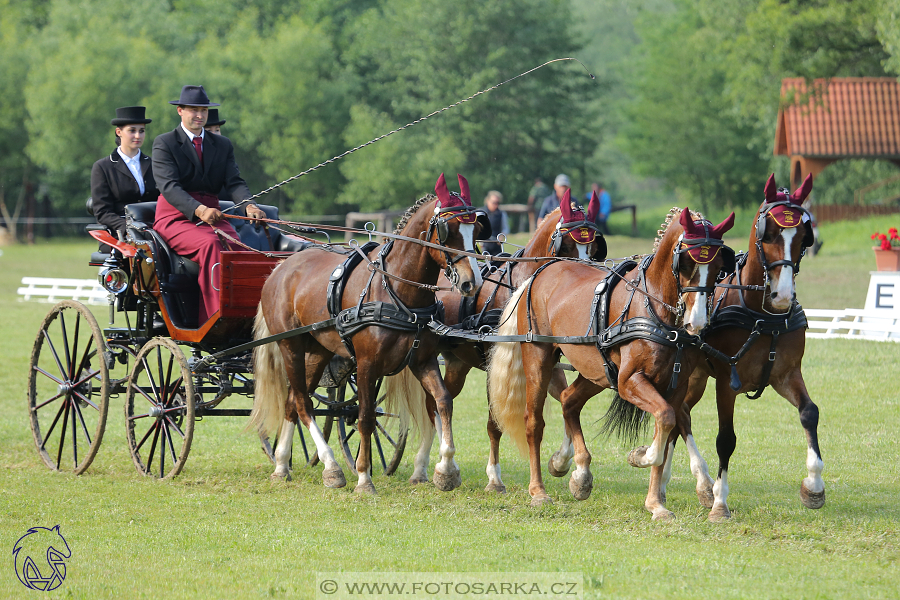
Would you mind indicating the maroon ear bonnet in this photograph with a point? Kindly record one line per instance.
(703, 230)
(581, 235)
(447, 199)
(593, 207)
(565, 207)
(784, 215)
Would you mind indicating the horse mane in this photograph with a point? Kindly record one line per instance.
(673, 212)
(411, 211)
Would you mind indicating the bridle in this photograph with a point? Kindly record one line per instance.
(805, 220)
(440, 224)
(708, 246)
(570, 229)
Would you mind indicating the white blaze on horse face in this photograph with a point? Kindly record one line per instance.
(583, 250)
(467, 230)
(696, 320)
(814, 465)
(783, 285)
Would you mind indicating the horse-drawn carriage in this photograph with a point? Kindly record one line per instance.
(156, 357)
(643, 324)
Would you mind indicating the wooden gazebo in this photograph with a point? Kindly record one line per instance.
(832, 119)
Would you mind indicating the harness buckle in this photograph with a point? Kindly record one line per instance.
(677, 368)
(415, 344)
(772, 356)
(673, 339)
(529, 336)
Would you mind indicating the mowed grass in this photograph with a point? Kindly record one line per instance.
(223, 530)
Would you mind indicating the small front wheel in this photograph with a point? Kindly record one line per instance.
(159, 409)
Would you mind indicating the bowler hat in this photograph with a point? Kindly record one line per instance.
(193, 95)
(128, 115)
(213, 118)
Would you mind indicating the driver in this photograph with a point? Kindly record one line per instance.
(191, 167)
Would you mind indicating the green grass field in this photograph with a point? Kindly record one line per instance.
(223, 530)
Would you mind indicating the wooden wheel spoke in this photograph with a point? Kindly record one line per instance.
(74, 371)
(62, 324)
(153, 445)
(175, 426)
(62, 408)
(62, 370)
(153, 386)
(48, 375)
(380, 450)
(149, 398)
(73, 410)
(85, 362)
(171, 445)
(87, 435)
(62, 437)
(46, 402)
(85, 400)
(146, 435)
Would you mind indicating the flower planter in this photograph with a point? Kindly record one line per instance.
(887, 260)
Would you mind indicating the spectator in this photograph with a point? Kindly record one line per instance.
(538, 192)
(605, 205)
(498, 218)
(214, 123)
(551, 202)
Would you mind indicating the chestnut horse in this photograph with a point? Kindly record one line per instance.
(566, 232)
(639, 354)
(761, 330)
(295, 296)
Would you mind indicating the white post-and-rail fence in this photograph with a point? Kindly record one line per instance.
(48, 289)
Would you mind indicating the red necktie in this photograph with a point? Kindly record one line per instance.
(197, 141)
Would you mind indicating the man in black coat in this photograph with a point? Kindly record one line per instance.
(191, 167)
(113, 183)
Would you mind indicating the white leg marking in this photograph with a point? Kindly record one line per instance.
(784, 285)
(654, 455)
(283, 449)
(364, 478)
(420, 462)
(667, 470)
(326, 455)
(468, 235)
(814, 465)
(493, 474)
(699, 468)
(696, 321)
(446, 465)
(562, 458)
(720, 491)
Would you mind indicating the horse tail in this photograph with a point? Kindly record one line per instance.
(270, 381)
(624, 420)
(405, 397)
(506, 376)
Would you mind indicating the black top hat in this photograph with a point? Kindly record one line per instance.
(193, 95)
(213, 118)
(128, 115)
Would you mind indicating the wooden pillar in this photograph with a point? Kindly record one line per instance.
(801, 166)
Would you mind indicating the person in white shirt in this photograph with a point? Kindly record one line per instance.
(126, 175)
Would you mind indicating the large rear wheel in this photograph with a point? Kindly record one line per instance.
(388, 440)
(159, 409)
(68, 388)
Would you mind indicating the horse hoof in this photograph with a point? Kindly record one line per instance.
(811, 499)
(417, 479)
(636, 456)
(719, 514)
(279, 477)
(551, 466)
(663, 514)
(365, 488)
(581, 488)
(334, 478)
(498, 488)
(449, 482)
(705, 496)
(541, 500)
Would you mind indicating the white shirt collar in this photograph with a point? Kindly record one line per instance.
(190, 135)
(128, 159)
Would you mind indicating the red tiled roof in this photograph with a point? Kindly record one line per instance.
(845, 117)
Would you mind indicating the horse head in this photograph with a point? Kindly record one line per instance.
(698, 260)
(575, 233)
(781, 234)
(454, 224)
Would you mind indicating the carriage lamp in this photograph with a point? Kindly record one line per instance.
(113, 279)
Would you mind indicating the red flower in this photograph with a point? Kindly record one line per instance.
(889, 240)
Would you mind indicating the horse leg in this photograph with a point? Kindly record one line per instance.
(538, 361)
(283, 450)
(316, 360)
(640, 392)
(561, 461)
(366, 396)
(699, 468)
(725, 445)
(420, 461)
(573, 399)
(812, 488)
(495, 484)
(446, 471)
(659, 478)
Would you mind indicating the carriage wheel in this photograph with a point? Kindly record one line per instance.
(159, 409)
(68, 388)
(311, 459)
(388, 440)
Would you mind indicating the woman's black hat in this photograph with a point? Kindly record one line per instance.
(213, 118)
(193, 95)
(128, 115)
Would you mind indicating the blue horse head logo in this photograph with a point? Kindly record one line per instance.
(40, 557)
